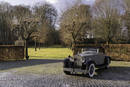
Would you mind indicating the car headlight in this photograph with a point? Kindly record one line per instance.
(83, 60)
(71, 59)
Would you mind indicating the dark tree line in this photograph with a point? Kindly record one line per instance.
(35, 24)
(108, 20)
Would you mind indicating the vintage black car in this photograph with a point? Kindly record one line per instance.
(86, 62)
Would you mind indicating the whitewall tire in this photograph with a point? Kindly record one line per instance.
(91, 70)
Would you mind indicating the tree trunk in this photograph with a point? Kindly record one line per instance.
(107, 43)
(74, 48)
(26, 49)
(35, 45)
(39, 46)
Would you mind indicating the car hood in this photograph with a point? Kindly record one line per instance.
(83, 55)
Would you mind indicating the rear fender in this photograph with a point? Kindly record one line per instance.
(108, 57)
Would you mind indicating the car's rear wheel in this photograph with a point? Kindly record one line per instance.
(107, 61)
(91, 70)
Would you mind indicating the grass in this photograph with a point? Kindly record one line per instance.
(49, 53)
(58, 52)
(120, 64)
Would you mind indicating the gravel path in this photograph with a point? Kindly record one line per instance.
(49, 73)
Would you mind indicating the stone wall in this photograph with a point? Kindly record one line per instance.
(8, 53)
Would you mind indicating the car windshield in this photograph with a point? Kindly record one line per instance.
(89, 52)
(90, 49)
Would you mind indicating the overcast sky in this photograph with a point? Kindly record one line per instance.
(59, 4)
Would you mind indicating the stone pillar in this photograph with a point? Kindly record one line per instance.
(19, 42)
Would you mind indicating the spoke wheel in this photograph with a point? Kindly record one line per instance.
(91, 70)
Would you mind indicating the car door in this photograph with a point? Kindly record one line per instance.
(100, 58)
(96, 58)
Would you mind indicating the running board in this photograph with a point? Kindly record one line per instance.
(75, 71)
(101, 66)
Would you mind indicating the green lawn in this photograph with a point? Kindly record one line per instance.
(49, 53)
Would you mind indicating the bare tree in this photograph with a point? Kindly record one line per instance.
(48, 16)
(46, 13)
(126, 16)
(107, 21)
(5, 23)
(25, 24)
(74, 24)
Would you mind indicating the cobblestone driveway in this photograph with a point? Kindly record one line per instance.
(49, 73)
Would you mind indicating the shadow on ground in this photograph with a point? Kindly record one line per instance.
(32, 62)
(113, 73)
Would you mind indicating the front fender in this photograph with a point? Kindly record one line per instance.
(68, 63)
(87, 63)
(65, 62)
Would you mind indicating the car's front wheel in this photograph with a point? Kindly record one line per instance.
(91, 70)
